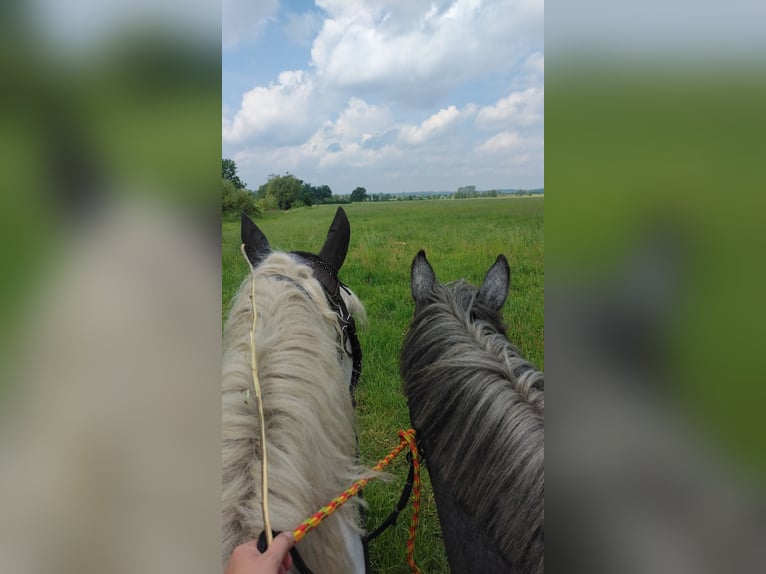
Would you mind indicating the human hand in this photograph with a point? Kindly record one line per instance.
(246, 559)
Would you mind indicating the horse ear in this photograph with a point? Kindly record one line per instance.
(256, 245)
(422, 277)
(494, 290)
(336, 245)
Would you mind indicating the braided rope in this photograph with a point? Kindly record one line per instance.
(409, 436)
(259, 402)
(406, 439)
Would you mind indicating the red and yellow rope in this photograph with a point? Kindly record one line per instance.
(406, 439)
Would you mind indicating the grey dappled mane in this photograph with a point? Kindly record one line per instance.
(478, 406)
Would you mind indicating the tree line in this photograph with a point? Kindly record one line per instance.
(287, 192)
(279, 192)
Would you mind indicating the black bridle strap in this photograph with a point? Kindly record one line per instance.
(401, 505)
(348, 326)
(327, 276)
(298, 562)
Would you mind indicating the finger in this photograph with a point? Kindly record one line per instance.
(287, 561)
(281, 544)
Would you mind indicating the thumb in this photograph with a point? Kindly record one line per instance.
(281, 545)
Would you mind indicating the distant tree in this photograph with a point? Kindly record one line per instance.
(466, 191)
(322, 193)
(235, 201)
(336, 199)
(311, 195)
(283, 189)
(307, 195)
(229, 171)
(359, 194)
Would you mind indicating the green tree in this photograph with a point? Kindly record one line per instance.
(235, 201)
(466, 191)
(307, 195)
(311, 194)
(229, 171)
(359, 194)
(284, 189)
(322, 193)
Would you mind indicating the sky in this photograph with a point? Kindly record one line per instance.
(394, 96)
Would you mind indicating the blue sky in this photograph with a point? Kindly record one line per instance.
(397, 95)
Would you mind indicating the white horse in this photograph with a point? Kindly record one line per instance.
(305, 362)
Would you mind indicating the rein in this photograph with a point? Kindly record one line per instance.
(406, 439)
(259, 402)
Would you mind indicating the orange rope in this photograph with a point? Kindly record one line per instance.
(410, 438)
(406, 438)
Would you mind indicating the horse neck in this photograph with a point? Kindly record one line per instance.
(460, 376)
(310, 423)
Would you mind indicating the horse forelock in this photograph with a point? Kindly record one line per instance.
(479, 408)
(310, 421)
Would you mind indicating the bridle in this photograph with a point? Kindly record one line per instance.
(327, 276)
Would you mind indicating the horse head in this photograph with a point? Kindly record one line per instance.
(477, 406)
(308, 357)
(489, 299)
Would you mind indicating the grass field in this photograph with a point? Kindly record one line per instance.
(462, 239)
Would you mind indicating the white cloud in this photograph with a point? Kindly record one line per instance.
(279, 113)
(345, 141)
(243, 20)
(410, 51)
(361, 120)
(524, 108)
(433, 126)
(500, 143)
(382, 102)
(365, 141)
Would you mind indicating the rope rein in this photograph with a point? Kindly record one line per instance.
(406, 439)
(259, 401)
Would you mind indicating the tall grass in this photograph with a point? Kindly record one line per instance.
(462, 239)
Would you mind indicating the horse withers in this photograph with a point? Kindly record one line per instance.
(478, 408)
(308, 361)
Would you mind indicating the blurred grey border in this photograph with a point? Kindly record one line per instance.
(654, 315)
(110, 289)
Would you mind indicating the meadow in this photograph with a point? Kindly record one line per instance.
(461, 238)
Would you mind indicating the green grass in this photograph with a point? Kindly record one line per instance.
(462, 239)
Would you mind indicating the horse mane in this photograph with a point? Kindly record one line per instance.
(479, 407)
(310, 420)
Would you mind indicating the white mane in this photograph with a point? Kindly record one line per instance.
(310, 420)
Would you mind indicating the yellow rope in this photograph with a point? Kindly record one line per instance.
(259, 402)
